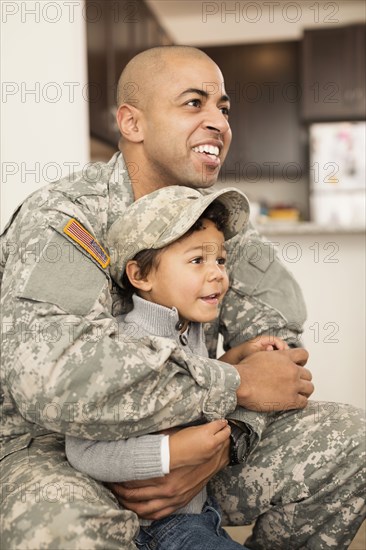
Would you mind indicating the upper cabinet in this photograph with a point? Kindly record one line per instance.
(333, 74)
(263, 83)
(116, 32)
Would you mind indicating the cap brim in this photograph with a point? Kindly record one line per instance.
(236, 203)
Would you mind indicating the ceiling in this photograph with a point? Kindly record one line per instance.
(202, 23)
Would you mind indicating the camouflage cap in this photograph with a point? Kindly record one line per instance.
(162, 217)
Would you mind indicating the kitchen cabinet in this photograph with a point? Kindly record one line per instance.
(263, 83)
(333, 74)
(116, 31)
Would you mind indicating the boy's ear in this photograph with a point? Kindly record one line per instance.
(133, 274)
(129, 123)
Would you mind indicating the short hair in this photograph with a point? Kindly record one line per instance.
(148, 259)
(136, 75)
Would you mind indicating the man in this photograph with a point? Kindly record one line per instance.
(67, 370)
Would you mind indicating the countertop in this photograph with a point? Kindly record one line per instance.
(306, 228)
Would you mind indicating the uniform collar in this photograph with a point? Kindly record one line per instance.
(119, 188)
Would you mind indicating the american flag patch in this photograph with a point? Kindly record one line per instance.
(80, 235)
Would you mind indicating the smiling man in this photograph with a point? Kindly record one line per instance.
(67, 370)
(175, 127)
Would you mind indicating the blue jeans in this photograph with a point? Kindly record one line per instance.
(188, 532)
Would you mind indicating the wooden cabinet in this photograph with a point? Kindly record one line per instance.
(333, 74)
(262, 81)
(116, 31)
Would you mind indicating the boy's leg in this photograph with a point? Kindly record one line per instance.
(304, 482)
(188, 532)
(48, 505)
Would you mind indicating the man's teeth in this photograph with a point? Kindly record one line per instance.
(210, 149)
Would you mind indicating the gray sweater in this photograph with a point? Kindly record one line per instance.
(138, 457)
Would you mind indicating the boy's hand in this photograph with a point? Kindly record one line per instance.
(197, 444)
(265, 342)
(157, 498)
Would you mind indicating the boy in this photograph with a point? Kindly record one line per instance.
(168, 255)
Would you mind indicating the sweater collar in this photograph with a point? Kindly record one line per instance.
(154, 318)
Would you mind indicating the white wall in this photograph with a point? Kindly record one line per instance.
(44, 113)
(331, 272)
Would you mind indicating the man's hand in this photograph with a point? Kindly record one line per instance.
(275, 381)
(159, 497)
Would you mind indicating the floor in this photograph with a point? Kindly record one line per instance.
(239, 534)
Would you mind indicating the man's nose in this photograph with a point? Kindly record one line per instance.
(216, 121)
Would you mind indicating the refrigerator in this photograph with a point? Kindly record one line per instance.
(337, 173)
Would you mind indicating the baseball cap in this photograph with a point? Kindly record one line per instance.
(162, 217)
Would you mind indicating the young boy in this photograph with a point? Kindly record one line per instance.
(168, 255)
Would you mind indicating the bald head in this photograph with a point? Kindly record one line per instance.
(142, 74)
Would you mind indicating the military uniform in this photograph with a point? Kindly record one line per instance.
(67, 369)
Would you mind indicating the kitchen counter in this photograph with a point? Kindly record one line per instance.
(306, 228)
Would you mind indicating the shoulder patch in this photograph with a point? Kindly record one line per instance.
(79, 234)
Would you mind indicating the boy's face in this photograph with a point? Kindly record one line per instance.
(191, 275)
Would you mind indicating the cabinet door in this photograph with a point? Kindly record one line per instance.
(116, 31)
(333, 76)
(262, 81)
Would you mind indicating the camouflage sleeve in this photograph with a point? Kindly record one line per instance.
(69, 369)
(263, 296)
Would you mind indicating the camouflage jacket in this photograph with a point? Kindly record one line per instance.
(65, 365)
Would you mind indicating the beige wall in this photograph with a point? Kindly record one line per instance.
(44, 113)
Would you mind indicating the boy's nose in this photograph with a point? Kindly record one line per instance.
(215, 272)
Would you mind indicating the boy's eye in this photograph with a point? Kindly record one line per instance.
(221, 261)
(197, 260)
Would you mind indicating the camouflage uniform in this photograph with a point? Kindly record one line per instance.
(67, 369)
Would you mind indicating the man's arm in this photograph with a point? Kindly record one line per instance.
(68, 367)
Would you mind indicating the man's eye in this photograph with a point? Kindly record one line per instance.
(194, 102)
(225, 111)
(221, 261)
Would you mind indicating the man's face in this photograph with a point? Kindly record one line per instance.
(186, 129)
(191, 275)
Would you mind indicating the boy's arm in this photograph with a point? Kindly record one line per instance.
(142, 457)
(114, 461)
(265, 342)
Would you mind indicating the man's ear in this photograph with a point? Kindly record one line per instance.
(129, 124)
(133, 273)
